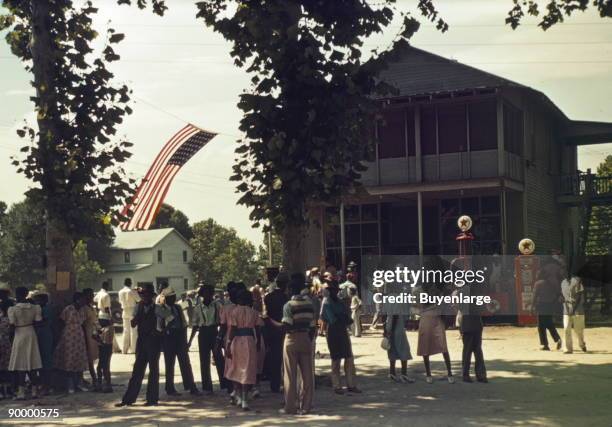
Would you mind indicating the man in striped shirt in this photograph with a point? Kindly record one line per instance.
(299, 323)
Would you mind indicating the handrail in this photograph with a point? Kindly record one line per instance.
(582, 183)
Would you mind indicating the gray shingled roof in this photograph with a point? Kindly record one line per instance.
(418, 72)
(140, 239)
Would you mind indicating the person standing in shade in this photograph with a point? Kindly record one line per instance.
(395, 332)
(336, 319)
(206, 322)
(299, 324)
(44, 332)
(91, 327)
(128, 298)
(471, 328)
(71, 352)
(105, 351)
(356, 310)
(25, 354)
(102, 300)
(274, 337)
(148, 348)
(242, 343)
(573, 312)
(5, 350)
(174, 342)
(546, 296)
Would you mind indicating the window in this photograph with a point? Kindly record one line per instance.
(186, 283)
(126, 257)
(483, 125)
(184, 256)
(361, 233)
(452, 128)
(428, 130)
(513, 129)
(392, 135)
(160, 257)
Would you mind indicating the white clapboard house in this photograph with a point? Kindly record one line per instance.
(150, 256)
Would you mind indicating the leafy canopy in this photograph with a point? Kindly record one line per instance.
(306, 119)
(73, 156)
(169, 217)
(220, 255)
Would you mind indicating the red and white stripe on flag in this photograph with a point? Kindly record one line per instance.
(152, 191)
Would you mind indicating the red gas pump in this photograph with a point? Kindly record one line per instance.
(526, 268)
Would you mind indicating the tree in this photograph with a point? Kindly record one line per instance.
(72, 156)
(169, 217)
(88, 271)
(220, 255)
(307, 119)
(277, 251)
(22, 245)
(556, 10)
(599, 240)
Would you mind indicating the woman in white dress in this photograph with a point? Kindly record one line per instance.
(25, 355)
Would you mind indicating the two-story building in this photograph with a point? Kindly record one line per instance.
(457, 140)
(150, 256)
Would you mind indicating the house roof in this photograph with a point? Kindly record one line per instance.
(418, 72)
(142, 239)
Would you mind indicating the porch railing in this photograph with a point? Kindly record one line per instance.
(588, 184)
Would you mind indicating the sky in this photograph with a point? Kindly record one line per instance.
(181, 72)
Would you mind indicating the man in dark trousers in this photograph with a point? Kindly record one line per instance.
(471, 333)
(273, 336)
(174, 342)
(148, 347)
(206, 320)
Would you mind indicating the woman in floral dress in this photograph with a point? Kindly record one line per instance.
(71, 352)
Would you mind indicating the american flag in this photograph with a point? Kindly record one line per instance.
(150, 195)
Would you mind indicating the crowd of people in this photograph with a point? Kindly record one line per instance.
(251, 335)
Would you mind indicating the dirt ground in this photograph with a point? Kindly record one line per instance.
(527, 387)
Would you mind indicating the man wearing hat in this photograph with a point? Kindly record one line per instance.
(148, 347)
(174, 342)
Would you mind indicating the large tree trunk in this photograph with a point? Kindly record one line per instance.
(61, 279)
(60, 266)
(293, 248)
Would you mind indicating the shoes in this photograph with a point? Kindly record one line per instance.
(482, 380)
(559, 345)
(339, 390)
(429, 380)
(245, 406)
(255, 393)
(147, 403)
(284, 412)
(583, 348)
(544, 348)
(406, 379)
(121, 404)
(450, 379)
(173, 393)
(467, 379)
(567, 352)
(354, 390)
(195, 392)
(395, 378)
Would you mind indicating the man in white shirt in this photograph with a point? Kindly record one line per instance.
(128, 298)
(103, 302)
